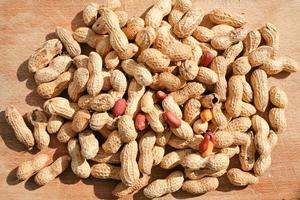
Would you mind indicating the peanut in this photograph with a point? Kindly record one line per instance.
(80, 120)
(113, 143)
(191, 111)
(188, 23)
(171, 119)
(60, 106)
(88, 36)
(89, 13)
(79, 165)
(119, 107)
(247, 154)
(259, 83)
(155, 119)
(223, 16)
(154, 59)
(89, 144)
(215, 162)
(185, 131)
(231, 53)
(42, 56)
(225, 41)
(260, 55)
(174, 158)
(169, 104)
(168, 81)
(56, 67)
(199, 174)
(241, 124)
(156, 14)
(251, 42)
(106, 171)
(200, 126)
(129, 167)
(54, 88)
(179, 9)
(218, 116)
(140, 122)
(78, 85)
(95, 82)
(66, 132)
(275, 66)
(190, 90)
(231, 151)
(203, 34)
(239, 178)
(278, 97)
(146, 145)
(49, 173)
(160, 187)
(54, 124)
(163, 137)
(270, 34)
(206, 115)
(39, 120)
(135, 93)
(134, 25)
(277, 119)
(126, 128)
(179, 143)
(158, 154)
(68, 41)
(265, 141)
(16, 121)
(102, 102)
(206, 76)
(206, 58)
(28, 168)
(219, 66)
(233, 103)
(226, 139)
(145, 37)
(201, 186)
(103, 157)
(141, 74)
(121, 190)
(209, 101)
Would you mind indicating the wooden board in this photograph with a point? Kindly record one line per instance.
(25, 25)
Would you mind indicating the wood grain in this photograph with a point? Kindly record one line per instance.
(25, 25)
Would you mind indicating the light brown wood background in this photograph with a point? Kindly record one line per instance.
(24, 25)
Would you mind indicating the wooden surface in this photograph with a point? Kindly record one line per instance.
(25, 25)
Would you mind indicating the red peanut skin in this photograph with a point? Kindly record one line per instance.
(206, 59)
(140, 122)
(208, 136)
(119, 107)
(171, 119)
(161, 95)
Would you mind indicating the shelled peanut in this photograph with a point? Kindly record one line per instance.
(150, 84)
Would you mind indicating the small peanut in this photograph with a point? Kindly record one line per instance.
(68, 41)
(201, 186)
(238, 177)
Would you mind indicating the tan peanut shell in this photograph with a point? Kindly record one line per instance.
(129, 168)
(54, 124)
(81, 61)
(80, 120)
(89, 144)
(247, 110)
(238, 177)
(145, 38)
(79, 165)
(158, 154)
(206, 76)
(103, 157)
(201, 186)
(222, 29)
(265, 141)
(56, 87)
(56, 67)
(105, 171)
(233, 102)
(277, 119)
(111, 60)
(16, 121)
(224, 16)
(89, 13)
(99, 120)
(188, 23)
(270, 35)
(39, 120)
(42, 56)
(232, 52)
(126, 128)
(154, 59)
(102, 102)
(134, 25)
(215, 162)
(121, 190)
(230, 151)
(174, 158)
(259, 83)
(155, 119)
(28, 168)
(203, 34)
(179, 9)
(66, 132)
(278, 97)
(113, 143)
(251, 42)
(163, 137)
(185, 131)
(60, 106)
(226, 139)
(68, 41)
(160, 187)
(190, 90)
(135, 93)
(191, 111)
(146, 145)
(260, 55)
(158, 11)
(218, 116)
(241, 124)
(88, 36)
(247, 154)
(225, 41)
(95, 82)
(78, 85)
(167, 81)
(49, 173)
(219, 66)
(189, 68)
(169, 104)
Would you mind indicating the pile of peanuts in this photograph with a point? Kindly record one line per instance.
(151, 83)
